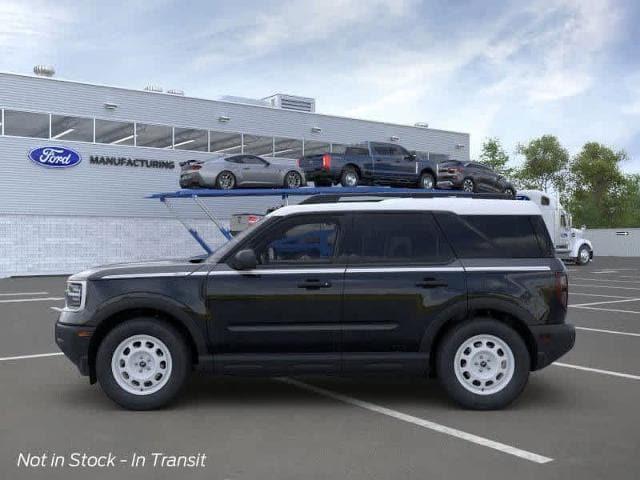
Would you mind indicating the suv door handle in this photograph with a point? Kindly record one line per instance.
(431, 283)
(313, 284)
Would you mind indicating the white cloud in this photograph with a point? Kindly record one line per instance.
(632, 99)
(294, 23)
(29, 25)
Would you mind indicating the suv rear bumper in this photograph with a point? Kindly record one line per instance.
(552, 342)
(74, 341)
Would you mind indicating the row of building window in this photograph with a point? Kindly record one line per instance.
(94, 130)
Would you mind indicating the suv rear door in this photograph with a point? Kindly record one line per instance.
(401, 276)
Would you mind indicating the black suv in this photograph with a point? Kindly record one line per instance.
(465, 289)
(472, 177)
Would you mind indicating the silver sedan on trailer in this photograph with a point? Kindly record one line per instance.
(233, 171)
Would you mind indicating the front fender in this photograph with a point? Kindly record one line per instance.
(577, 244)
(193, 321)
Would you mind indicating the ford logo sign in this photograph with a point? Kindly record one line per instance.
(55, 157)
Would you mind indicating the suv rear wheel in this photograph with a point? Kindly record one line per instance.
(483, 364)
(143, 363)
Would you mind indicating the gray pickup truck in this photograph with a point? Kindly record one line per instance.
(371, 163)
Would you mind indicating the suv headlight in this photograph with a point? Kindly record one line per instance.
(75, 295)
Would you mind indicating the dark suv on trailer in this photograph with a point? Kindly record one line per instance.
(472, 177)
(465, 289)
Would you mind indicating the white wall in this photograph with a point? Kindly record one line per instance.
(611, 242)
(37, 245)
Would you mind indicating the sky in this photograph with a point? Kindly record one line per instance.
(512, 70)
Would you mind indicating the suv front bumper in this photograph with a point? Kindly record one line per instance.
(552, 342)
(74, 341)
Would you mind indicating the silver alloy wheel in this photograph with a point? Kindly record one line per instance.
(427, 181)
(467, 185)
(293, 180)
(351, 179)
(141, 364)
(584, 255)
(484, 364)
(226, 180)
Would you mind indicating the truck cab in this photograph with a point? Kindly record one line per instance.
(570, 243)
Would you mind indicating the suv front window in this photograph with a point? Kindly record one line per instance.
(311, 241)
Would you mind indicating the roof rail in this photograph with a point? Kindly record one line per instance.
(379, 196)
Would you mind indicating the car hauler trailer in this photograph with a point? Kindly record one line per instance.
(569, 242)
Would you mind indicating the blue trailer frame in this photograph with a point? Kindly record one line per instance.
(321, 193)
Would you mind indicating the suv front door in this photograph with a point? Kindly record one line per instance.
(286, 313)
(401, 278)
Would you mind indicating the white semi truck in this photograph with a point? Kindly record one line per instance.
(569, 242)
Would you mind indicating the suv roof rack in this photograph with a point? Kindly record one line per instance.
(379, 196)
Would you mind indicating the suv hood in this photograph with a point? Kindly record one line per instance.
(184, 266)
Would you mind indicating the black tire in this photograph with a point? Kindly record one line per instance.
(179, 355)
(349, 177)
(427, 181)
(510, 192)
(292, 173)
(221, 182)
(584, 255)
(445, 359)
(468, 185)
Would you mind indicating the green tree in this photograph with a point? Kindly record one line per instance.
(545, 163)
(494, 156)
(602, 195)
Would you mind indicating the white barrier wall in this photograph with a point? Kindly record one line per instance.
(615, 242)
(38, 245)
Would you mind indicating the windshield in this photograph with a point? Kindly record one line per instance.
(223, 250)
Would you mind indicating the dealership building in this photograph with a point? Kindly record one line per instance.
(117, 146)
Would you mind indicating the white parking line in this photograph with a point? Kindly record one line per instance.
(605, 279)
(623, 276)
(614, 332)
(604, 286)
(617, 310)
(37, 355)
(596, 295)
(48, 299)
(605, 301)
(17, 294)
(485, 442)
(597, 370)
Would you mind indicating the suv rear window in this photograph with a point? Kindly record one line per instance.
(495, 236)
(406, 238)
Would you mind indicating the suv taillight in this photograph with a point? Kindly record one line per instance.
(326, 161)
(562, 289)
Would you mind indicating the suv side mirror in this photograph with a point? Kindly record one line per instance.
(411, 156)
(244, 260)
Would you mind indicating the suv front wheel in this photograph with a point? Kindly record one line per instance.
(143, 363)
(483, 364)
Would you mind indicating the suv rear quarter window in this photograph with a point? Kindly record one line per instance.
(396, 238)
(494, 236)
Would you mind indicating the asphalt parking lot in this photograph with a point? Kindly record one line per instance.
(576, 419)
